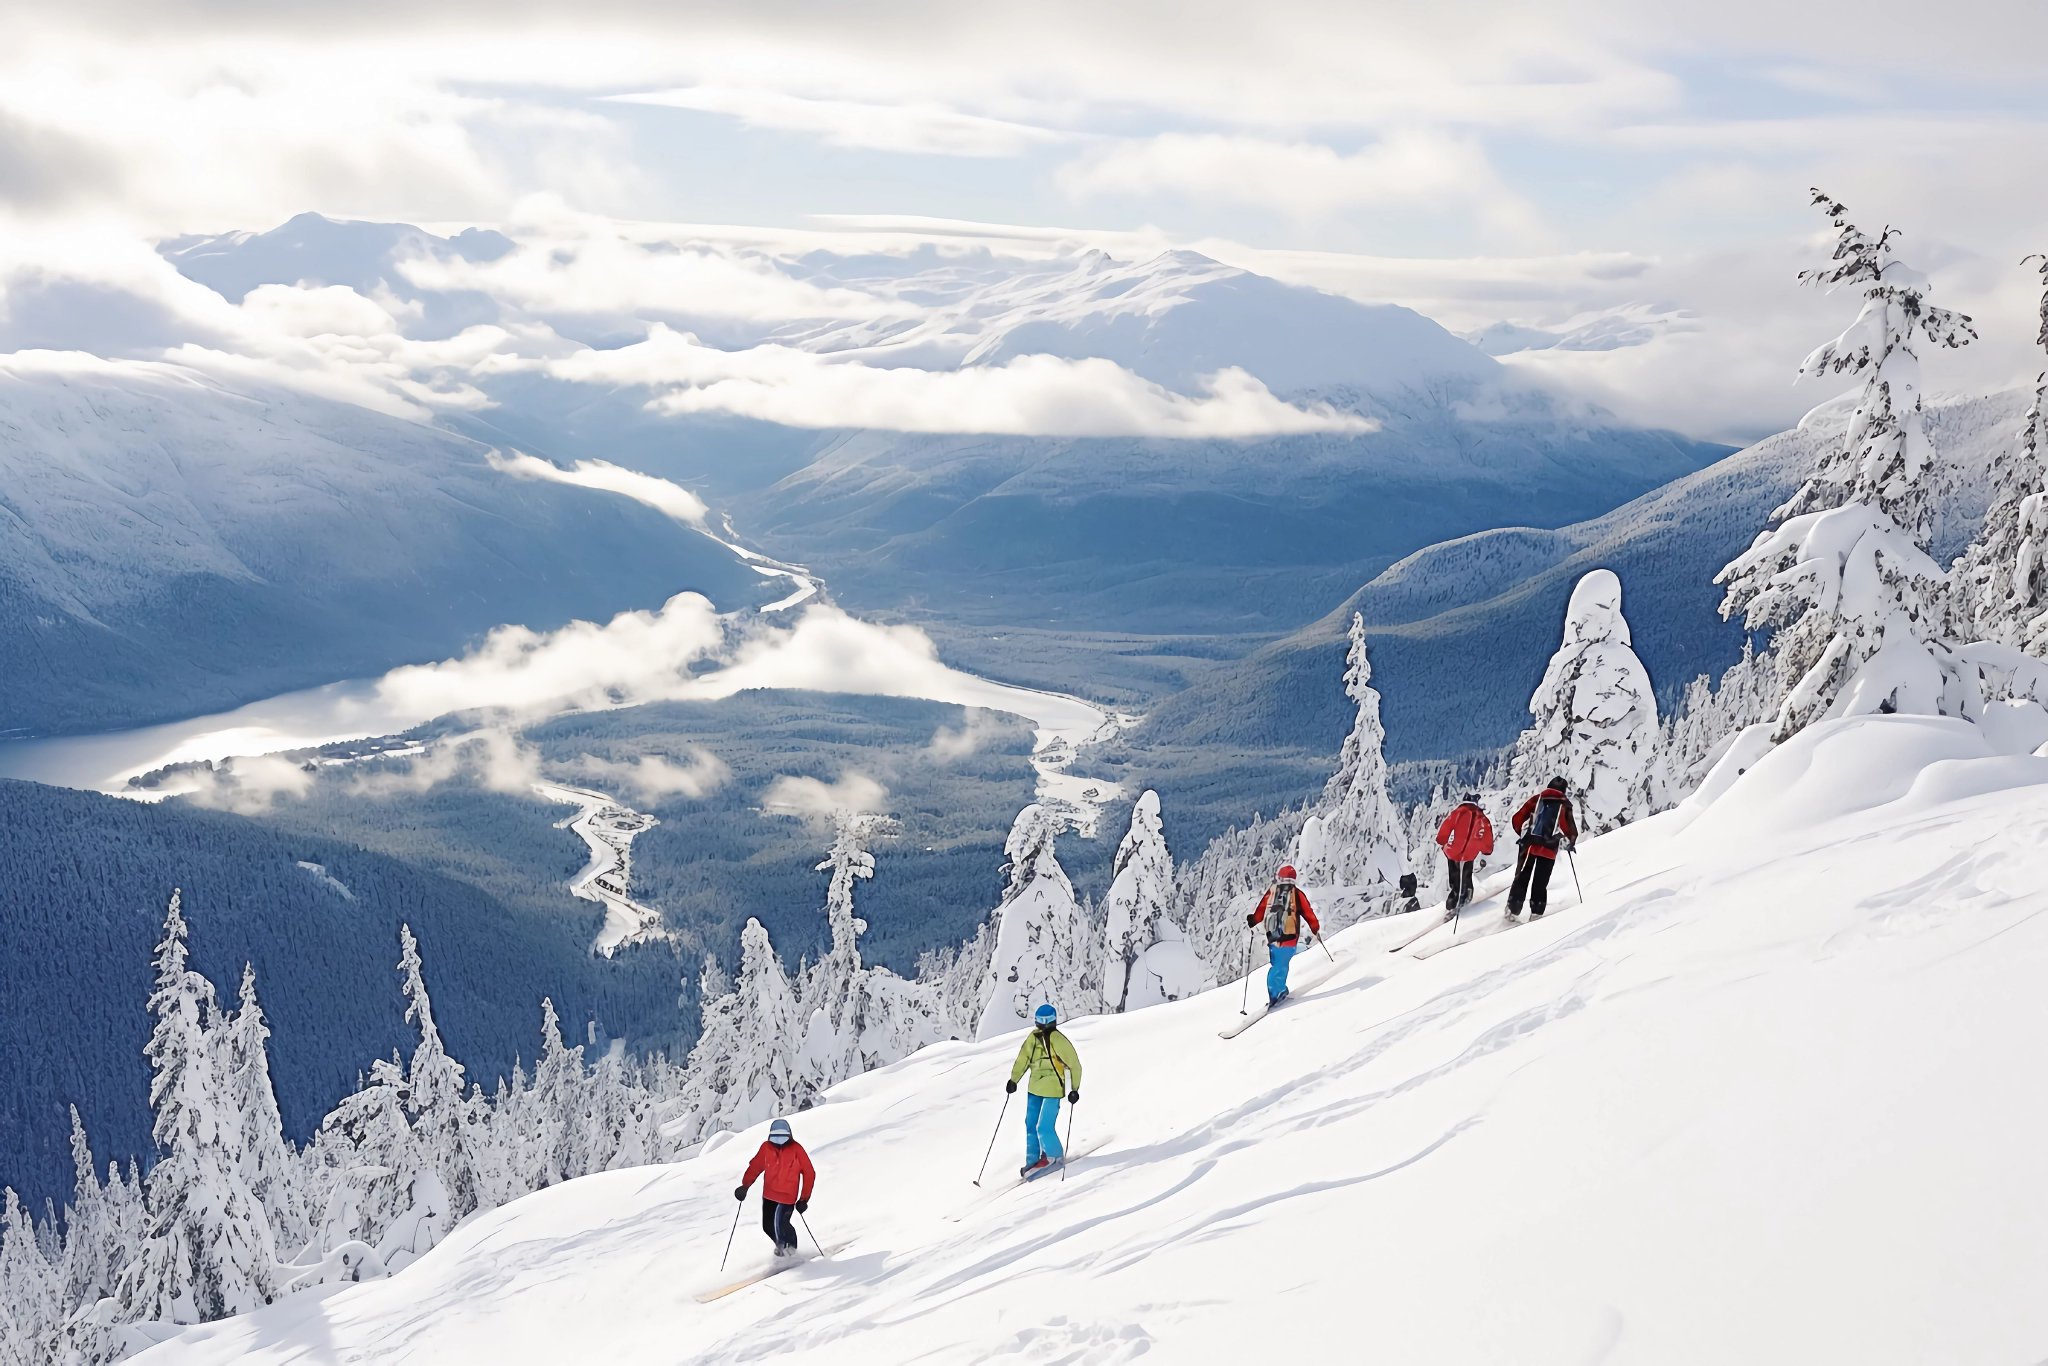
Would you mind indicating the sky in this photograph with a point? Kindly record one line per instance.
(1477, 161)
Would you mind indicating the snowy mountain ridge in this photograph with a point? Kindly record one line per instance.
(1537, 1107)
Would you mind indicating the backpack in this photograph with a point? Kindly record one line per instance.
(1283, 914)
(1543, 822)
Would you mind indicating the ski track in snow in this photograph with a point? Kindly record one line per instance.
(1762, 1098)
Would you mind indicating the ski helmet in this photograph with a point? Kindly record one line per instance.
(1472, 797)
(778, 1132)
(1558, 782)
(1045, 1015)
(1286, 873)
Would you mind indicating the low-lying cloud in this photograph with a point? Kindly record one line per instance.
(813, 798)
(917, 127)
(1033, 395)
(652, 777)
(660, 494)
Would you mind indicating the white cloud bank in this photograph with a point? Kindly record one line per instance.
(814, 798)
(651, 777)
(1029, 396)
(915, 127)
(663, 495)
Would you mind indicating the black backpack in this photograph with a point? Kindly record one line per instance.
(1543, 822)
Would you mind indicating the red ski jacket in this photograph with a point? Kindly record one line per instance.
(1567, 828)
(1300, 903)
(1465, 834)
(789, 1175)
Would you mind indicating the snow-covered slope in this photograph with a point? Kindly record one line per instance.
(171, 545)
(1762, 1098)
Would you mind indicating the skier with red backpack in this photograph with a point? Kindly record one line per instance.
(1544, 823)
(1465, 836)
(1283, 908)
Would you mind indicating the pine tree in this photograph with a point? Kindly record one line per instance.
(206, 1250)
(2001, 581)
(1844, 578)
(1594, 715)
(370, 1140)
(1039, 944)
(834, 999)
(1355, 840)
(92, 1256)
(271, 1166)
(558, 1086)
(761, 1080)
(31, 1314)
(710, 1066)
(444, 1126)
(1146, 958)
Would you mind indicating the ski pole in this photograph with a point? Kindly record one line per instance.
(807, 1228)
(1324, 947)
(991, 1141)
(737, 1207)
(1573, 860)
(1244, 997)
(1070, 1141)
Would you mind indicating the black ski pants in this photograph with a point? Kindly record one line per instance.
(1532, 882)
(1461, 883)
(776, 1222)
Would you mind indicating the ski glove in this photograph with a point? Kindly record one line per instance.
(1252, 919)
(802, 1206)
(1073, 1097)
(1009, 1088)
(739, 1192)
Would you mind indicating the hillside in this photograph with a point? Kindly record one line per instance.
(173, 545)
(1463, 1159)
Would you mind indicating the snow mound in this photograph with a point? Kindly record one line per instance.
(1753, 1101)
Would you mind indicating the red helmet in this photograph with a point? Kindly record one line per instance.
(1286, 873)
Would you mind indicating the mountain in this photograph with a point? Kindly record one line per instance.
(1688, 1120)
(82, 907)
(176, 545)
(1460, 631)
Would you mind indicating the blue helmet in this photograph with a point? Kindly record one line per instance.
(778, 1132)
(1045, 1015)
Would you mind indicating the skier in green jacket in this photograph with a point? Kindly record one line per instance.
(1055, 1069)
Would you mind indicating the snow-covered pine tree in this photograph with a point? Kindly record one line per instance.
(1594, 715)
(444, 1125)
(558, 1102)
(206, 1250)
(833, 999)
(1355, 840)
(1038, 941)
(708, 1074)
(1844, 578)
(31, 1310)
(92, 1255)
(368, 1142)
(1709, 717)
(270, 1164)
(1146, 958)
(2000, 583)
(761, 1077)
(954, 977)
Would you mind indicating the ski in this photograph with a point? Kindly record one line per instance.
(1309, 977)
(991, 1193)
(1416, 937)
(775, 1269)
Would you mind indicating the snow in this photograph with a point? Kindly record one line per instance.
(608, 827)
(1756, 1100)
(319, 874)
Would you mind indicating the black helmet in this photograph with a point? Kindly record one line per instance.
(1558, 782)
(1472, 797)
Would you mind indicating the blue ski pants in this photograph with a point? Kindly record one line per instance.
(1042, 1129)
(1276, 974)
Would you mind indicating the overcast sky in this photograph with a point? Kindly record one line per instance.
(1565, 155)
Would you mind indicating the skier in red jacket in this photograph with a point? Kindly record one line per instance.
(1464, 837)
(1289, 907)
(788, 1183)
(1544, 822)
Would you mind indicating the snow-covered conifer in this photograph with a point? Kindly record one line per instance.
(369, 1141)
(269, 1163)
(92, 1254)
(2000, 583)
(206, 1250)
(834, 1002)
(1146, 956)
(444, 1126)
(1355, 840)
(31, 1308)
(558, 1101)
(1594, 715)
(761, 1078)
(1038, 941)
(1844, 578)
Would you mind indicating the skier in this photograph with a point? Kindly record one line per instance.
(788, 1181)
(1544, 822)
(1465, 836)
(1288, 908)
(1055, 1069)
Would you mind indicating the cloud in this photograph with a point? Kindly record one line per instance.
(662, 495)
(573, 264)
(924, 128)
(651, 777)
(1028, 396)
(250, 786)
(493, 758)
(950, 744)
(815, 798)
(1308, 180)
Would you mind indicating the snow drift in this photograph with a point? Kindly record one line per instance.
(1760, 1098)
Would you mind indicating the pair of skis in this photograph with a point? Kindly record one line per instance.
(1309, 976)
(780, 1265)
